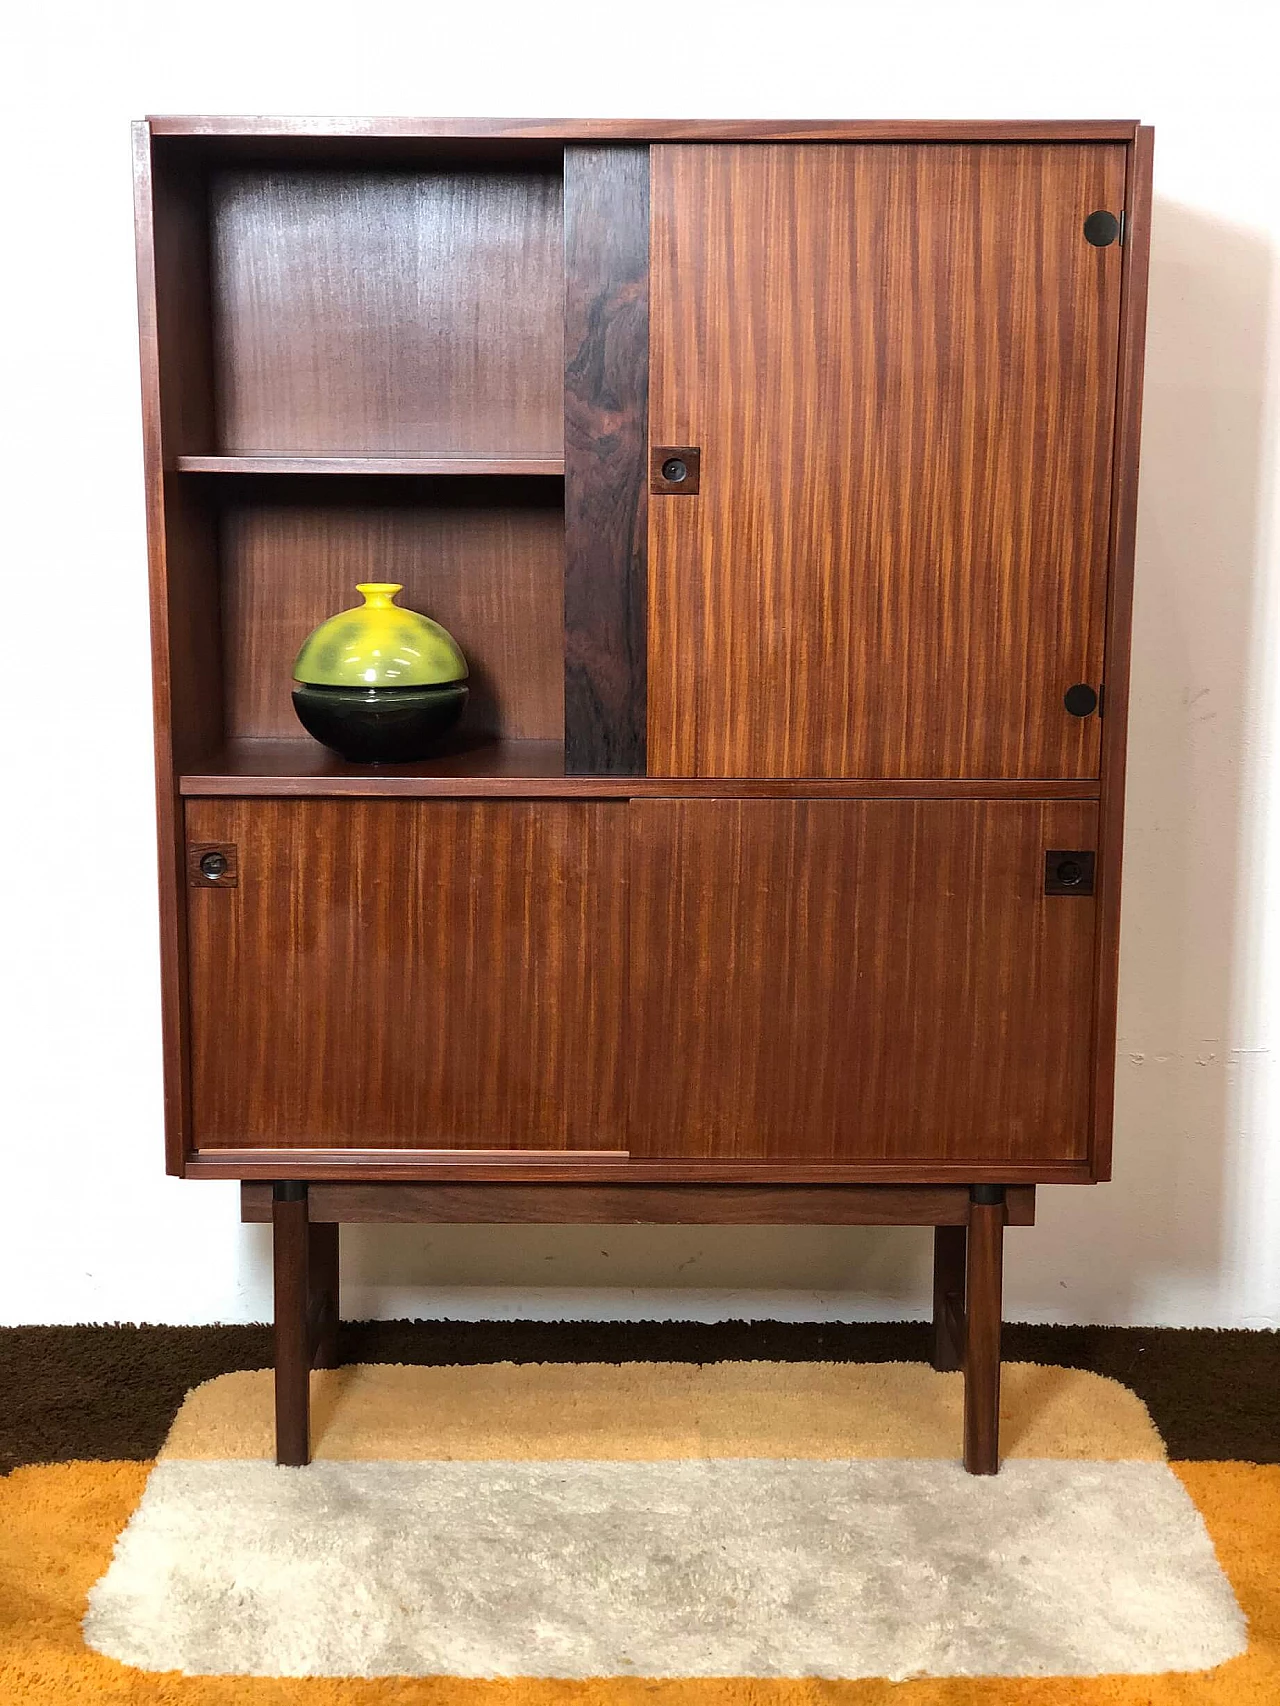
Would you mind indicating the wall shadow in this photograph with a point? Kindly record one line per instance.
(1159, 1244)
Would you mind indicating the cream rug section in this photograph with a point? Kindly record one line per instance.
(727, 1567)
(631, 1411)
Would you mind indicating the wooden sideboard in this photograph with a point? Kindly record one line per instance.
(778, 481)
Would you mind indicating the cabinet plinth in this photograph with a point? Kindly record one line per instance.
(778, 482)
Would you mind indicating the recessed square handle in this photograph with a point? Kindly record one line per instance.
(675, 469)
(1068, 871)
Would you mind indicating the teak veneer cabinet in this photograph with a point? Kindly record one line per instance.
(778, 481)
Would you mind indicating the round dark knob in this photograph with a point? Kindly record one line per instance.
(1101, 228)
(213, 866)
(674, 470)
(1069, 872)
(1080, 700)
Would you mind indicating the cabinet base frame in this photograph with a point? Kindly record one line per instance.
(968, 1222)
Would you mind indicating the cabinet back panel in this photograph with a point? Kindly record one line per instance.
(493, 576)
(899, 362)
(409, 974)
(859, 981)
(388, 311)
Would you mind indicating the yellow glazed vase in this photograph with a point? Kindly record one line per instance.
(379, 684)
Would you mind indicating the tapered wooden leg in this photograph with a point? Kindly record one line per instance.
(983, 1286)
(292, 1333)
(322, 1275)
(949, 1247)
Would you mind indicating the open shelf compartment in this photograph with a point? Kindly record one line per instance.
(361, 371)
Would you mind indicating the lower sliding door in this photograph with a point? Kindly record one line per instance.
(409, 973)
(878, 981)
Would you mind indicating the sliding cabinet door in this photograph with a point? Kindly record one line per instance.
(409, 974)
(877, 982)
(899, 364)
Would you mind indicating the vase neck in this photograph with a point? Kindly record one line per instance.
(379, 595)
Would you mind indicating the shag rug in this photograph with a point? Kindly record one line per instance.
(564, 1534)
(568, 1529)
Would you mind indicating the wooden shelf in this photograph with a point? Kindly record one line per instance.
(272, 463)
(476, 766)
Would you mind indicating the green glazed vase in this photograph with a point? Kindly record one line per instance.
(379, 684)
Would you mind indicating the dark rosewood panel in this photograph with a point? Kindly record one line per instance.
(899, 362)
(393, 973)
(606, 397)
(388, 311)
(489, 571)
(859, 981)
(648, 1205)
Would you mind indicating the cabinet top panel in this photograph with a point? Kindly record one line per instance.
(661, 129)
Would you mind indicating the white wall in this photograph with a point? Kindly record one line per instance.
(1189, 1232)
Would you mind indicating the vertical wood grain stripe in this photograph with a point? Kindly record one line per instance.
(899, 361)
(606, 407)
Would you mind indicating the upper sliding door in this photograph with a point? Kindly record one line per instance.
(899, 363)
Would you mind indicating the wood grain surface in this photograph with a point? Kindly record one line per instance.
(404, 465)
(322, 130)
(950, 1249)
(606, 396)
(983, 1288)
(392, 973)
(174, 349)
(353, 1165)
(491, 573)
(858, 980)
(900, 364)
(1115, 728)
(900, 360)
(388, 311)
(291, 1348)
(652, 1205)
(476, 765)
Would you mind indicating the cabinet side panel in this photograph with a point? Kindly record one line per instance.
(859, 981)
(1133, 327)
(898, 361)
(171, 232)
(404, 974)
(606, 395)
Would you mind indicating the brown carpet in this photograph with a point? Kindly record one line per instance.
(111, 1392)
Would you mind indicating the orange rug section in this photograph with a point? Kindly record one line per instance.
(59, 1523)
(652, 1410)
